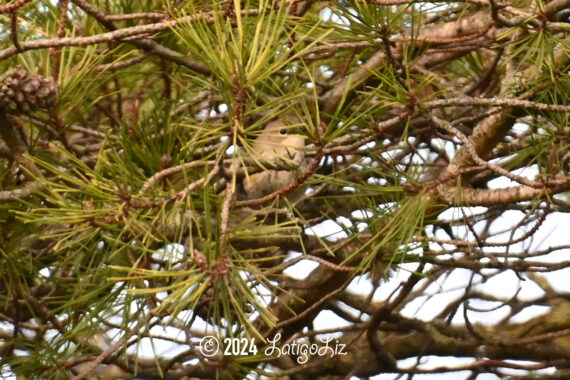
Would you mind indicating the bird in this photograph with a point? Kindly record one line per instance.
(279, 151)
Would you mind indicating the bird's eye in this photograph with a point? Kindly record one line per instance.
(283, 131)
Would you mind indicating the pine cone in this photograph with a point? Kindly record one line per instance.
(206, 302)
(21, 92)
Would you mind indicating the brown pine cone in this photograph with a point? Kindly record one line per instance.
(21, 92)
(205, 305)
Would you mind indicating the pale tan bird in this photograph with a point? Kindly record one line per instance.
(280, 151)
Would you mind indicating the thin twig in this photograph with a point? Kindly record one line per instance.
(9, 8)
(111, 350)
(24, 192)
(171, 171)
(14, 30)
(485, 102)
(314, 306)
(479, 161)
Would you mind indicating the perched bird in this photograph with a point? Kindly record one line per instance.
(280, 151)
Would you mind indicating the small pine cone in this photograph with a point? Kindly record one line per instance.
(205, 305)
(21, 92)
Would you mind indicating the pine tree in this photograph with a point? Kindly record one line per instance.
(424, 145)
